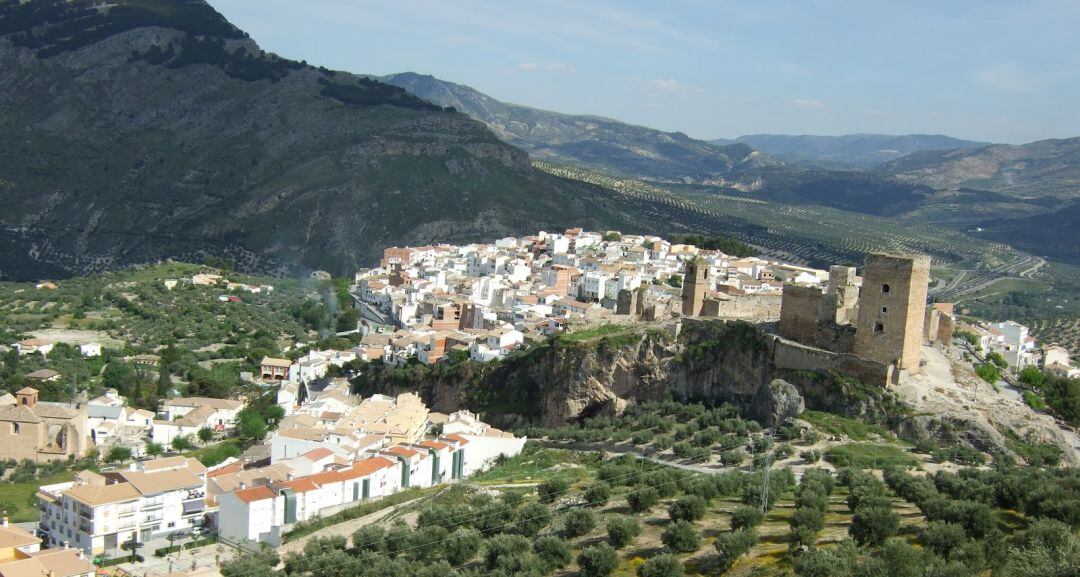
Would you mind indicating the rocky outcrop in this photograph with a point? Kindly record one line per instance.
(564, 379)
(776, 402)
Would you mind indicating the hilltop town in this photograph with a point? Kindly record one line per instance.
(303, 447)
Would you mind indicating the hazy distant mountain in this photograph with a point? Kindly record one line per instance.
(849, 150)
(143, 129)
(592, 140)
(1037, 169)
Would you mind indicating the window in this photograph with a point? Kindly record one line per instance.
(14, 428)
(885, 289)
(878, 328)
(884, 310)
(172, 524)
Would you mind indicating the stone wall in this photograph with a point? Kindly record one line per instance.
(800, 312)
(752, 308)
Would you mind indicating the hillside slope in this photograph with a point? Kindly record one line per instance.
(1037, 169)
(146, 129)
(848, 150)
(592, 140)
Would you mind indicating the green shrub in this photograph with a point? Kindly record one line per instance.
(622, 530)
(642, 498)
(687, 508)
(597, 561)
(746, 516)
(552, 489)
(734, 544)
(578, 522)
(597, 494)
(552, 551)
(664, 565)
(681, 537)
(873, 525)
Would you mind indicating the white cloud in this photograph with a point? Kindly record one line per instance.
(528, 66)
(808, 103)
(1006, 76)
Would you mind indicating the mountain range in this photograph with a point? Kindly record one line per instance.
(848, 150)
(138, 130)
(594, 140)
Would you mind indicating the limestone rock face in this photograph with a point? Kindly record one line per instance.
(775, 402)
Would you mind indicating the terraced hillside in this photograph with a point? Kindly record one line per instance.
(806, 233)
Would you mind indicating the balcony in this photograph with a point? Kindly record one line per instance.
(194, 506)
(87, 528)
(153, 505)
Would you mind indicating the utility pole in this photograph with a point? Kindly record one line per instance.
(765, 482)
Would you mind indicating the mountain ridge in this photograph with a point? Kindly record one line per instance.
(152, 129)
(618, 146)
(1048, 167)
(847, 151)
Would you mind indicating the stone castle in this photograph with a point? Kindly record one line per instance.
(883, 319)
(880, 317)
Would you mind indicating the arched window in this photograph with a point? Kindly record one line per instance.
(879, 328)
(885, 289)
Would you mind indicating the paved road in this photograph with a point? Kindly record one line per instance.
(973, 280)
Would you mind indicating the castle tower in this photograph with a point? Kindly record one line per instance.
(844, 295)
(892, 309)
(695, 284)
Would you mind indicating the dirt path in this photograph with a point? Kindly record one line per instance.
(345, 528)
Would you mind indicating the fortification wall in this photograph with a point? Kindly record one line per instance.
(750, 308)
(794, 356)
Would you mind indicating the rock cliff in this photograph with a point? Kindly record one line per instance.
(565, 379)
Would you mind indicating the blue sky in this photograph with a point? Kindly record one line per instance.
(1002, 71)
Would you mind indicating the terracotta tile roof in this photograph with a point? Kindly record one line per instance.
(301, 485)
(434, 445)
(227, 469)
(58, 562)
(456, 437)
(316, 454)
(273, 362)
(162, 481)
(101, 495)
(403, 451)
(325, 478)
(252, 494)
(13, 536)
(367, 467)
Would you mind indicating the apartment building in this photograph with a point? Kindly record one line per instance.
(99, 512)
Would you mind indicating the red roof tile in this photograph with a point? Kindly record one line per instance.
(319, 453)
(404, 451)
(301, 485)
(458, 438)
(252, 494)
(434, 445)
(366, 467)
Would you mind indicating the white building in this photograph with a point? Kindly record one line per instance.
(96, 513)
(186, 415)
(263, 513)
